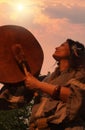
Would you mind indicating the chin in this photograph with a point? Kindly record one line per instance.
(55, 57)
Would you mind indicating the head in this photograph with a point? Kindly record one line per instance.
(71, 50)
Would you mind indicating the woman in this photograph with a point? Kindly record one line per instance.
(62, 104)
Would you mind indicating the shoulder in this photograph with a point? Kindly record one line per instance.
(80, 73)
(52, 75)
(79, 79)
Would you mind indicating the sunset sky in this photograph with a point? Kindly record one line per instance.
(50, 21)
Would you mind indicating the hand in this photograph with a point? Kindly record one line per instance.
(31, 82)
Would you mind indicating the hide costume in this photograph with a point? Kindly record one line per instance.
(58, 114)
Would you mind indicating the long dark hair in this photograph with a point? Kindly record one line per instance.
(77, 56)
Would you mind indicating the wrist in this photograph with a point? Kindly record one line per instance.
(56, 93)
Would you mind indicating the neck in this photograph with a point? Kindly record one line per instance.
(64, 64)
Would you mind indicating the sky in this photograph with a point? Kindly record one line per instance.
(50, 21)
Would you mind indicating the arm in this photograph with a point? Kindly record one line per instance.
(53, 90)
(72, 94)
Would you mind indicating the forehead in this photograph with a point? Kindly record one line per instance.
(65, 44)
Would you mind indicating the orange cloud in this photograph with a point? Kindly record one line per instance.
(49, 26)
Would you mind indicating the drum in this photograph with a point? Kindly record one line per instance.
(13, 35)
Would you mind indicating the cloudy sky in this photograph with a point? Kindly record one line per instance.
(50, 21)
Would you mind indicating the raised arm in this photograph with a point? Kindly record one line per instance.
(54, 90)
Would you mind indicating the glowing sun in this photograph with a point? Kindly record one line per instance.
(20, 7)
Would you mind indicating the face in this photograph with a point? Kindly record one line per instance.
(62, 52)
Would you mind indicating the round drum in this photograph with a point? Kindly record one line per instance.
(13, 36)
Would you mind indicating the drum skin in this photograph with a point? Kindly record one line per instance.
(11, 35)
